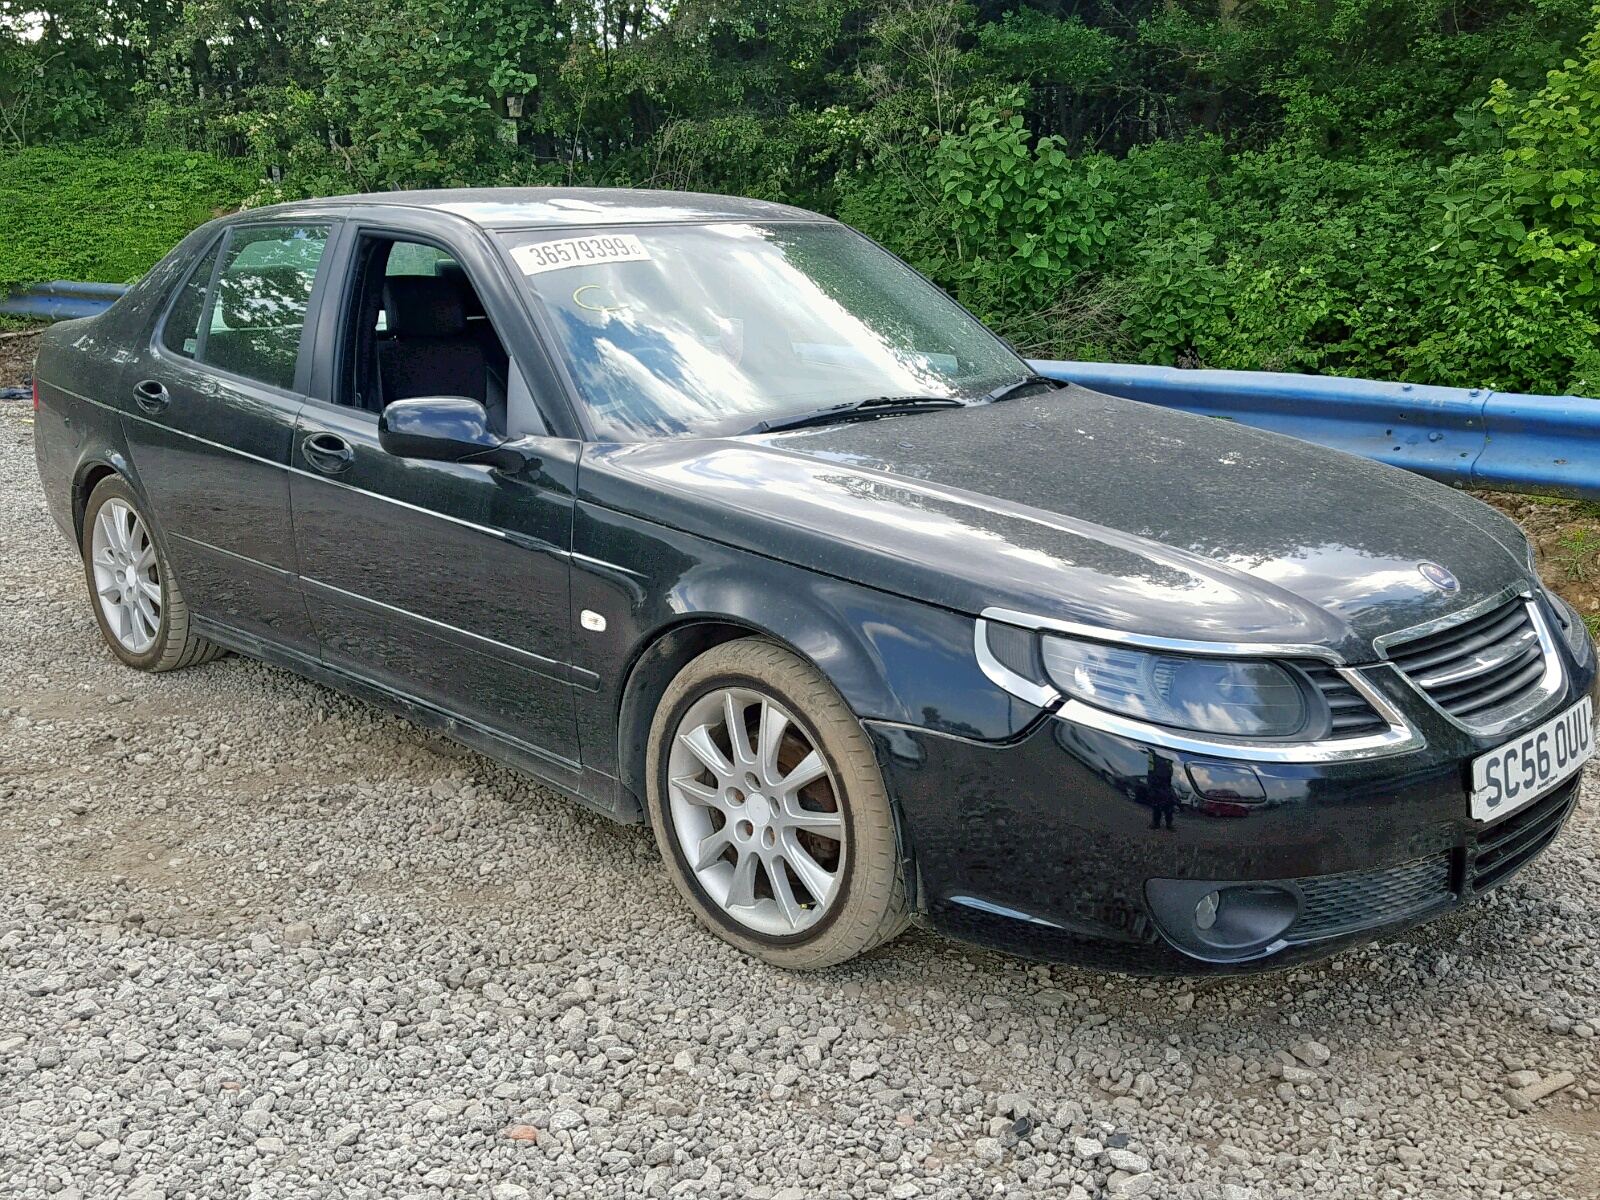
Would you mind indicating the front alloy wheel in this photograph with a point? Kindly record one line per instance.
(754, 802)
(770, 808)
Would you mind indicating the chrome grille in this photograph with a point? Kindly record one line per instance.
(1352, 714)
(1482, 670)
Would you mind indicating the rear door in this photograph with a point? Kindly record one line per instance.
(211, 423)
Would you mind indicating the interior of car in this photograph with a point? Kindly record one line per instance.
(419, 329)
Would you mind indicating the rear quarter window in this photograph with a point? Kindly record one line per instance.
(181, 333)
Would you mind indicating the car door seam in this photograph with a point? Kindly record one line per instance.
(245, 558)
(229, 633)
(501, 534)
(539, 664)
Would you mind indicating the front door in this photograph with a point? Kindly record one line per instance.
(210, 422)
(445, 582)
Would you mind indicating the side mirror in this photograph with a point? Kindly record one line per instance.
(445, 429)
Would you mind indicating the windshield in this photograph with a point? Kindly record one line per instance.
(697, 330)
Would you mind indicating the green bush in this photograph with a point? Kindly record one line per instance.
(1377, 187)
(103, 215)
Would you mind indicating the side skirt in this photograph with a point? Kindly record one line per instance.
(592, 789)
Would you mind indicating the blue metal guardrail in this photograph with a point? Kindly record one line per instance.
(62, 300)
(1470, 437)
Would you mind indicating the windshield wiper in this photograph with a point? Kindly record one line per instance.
(1011, 389)
(877, 406)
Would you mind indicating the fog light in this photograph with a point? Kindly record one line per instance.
(1223, 922)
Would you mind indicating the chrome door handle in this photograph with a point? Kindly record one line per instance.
(328, 453)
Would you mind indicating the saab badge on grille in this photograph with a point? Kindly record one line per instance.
(1439, 577)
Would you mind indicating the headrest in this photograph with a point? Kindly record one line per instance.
(423, 306)
(264, 298)
(456, 274)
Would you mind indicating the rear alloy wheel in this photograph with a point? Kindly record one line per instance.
(770, 809)
(141, 612)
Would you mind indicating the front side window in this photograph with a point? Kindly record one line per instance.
(257, 308)
(417, 328)
(705, 330)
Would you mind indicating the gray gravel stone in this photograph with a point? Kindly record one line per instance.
(257, 954)
(1312, 1053)
(1144, 1184)
(1127, 1160)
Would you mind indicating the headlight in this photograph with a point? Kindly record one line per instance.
(1571, 627)
(1241, 699)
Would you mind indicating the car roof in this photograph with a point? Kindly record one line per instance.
(552, 207)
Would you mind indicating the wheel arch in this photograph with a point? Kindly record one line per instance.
(672, 648)
(655, 665)
(89, 475)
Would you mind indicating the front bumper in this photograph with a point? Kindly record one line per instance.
(1047, 846)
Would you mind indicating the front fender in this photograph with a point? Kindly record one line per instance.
(893, 659)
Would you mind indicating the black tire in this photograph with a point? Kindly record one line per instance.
(175, 644)
(869, 907)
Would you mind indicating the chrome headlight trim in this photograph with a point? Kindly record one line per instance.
(1398, 738)
(1041, 695)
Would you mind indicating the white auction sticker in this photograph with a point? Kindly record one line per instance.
(579, 252)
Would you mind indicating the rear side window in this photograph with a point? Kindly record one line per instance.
(181, 334)
(257, 308)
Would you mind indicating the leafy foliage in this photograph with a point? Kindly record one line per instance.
(94, 214)
(1398, 188)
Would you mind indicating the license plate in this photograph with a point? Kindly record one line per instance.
(1521, 771)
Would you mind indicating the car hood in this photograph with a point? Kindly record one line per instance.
(1079, 506)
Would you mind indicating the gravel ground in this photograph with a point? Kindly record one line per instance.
(260, 940)
(17, 349)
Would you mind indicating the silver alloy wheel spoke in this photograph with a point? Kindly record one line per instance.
(774, 721)
(126, 583)
(699, 793)
(742, 892)
(713, 848)
(812, 873)
(733, 717)
(783, 892)
(760, 824)
(145, 611)
(829, 824)
(810, 768)
(703, 748)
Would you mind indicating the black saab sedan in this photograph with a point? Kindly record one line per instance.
(711, 513)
